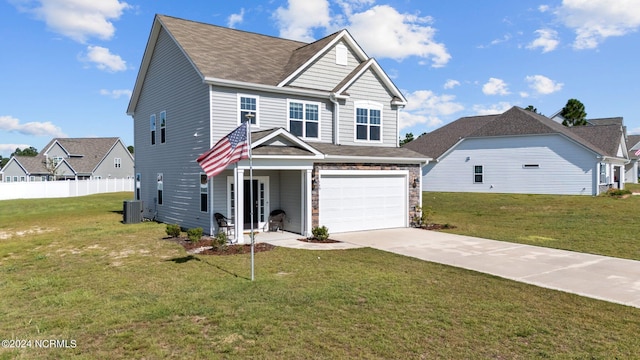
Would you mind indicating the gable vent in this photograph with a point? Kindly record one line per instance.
(341, 54)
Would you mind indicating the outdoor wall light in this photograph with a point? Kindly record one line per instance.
(314, 183)
(415, 183)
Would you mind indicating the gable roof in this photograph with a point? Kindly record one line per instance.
(241, 58)
(84, 154)
(603, 140)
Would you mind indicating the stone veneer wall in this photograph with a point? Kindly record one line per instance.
(414, 175)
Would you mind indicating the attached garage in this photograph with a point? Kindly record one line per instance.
(363, 199)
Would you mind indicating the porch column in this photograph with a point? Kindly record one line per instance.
(238, 180)
(307, 203)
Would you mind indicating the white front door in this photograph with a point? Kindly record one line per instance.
(260, 200)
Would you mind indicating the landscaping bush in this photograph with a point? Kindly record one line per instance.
(195, 234)
(618, 192)
(220, 241)
(173, 230)
(320, 232)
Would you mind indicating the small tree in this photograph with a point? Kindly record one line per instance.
(408, 137)
(52, 168)
(532, 109)
(573, 113)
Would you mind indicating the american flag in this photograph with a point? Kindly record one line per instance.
(230, 149)
(637, 152)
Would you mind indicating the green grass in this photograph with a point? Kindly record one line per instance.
(122, 292)
(598, 225)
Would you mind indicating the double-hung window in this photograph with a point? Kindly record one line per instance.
(117, 162)
(368, 126)
(152, 125)
(304, 119)
(248, 107)
(160, 188)
(204, 193)
(163, 127)
(478, 174)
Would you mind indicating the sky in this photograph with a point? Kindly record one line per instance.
(68, 66)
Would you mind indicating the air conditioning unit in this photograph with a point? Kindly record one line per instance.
(132, 212)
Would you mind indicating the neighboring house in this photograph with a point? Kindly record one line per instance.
(633, 168)
(522, 152)
(324, 131)
(73, 158)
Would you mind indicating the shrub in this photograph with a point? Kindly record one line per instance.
(320, 232)
(618, 192)
(194, 234)
(423, 216)
(173, 230)
(220, 241)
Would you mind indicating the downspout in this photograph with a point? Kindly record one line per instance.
(336, 119)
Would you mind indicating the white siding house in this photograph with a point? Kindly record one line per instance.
(522, 152)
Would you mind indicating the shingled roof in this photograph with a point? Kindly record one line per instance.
(602, 139)
(85, 154)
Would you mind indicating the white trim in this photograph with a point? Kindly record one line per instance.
(424, 160)
(344, 35)
(373, 64)
(304, 120)
(284, 133)
(267, 200)
(367, 105)
(239, 110)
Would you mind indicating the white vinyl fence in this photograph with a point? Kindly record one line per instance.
(60, 189)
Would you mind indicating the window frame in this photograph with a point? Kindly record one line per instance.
(255, 122)
(204, 193)
(163, 127)
(152, 128)
(117, 162)
(160, 189)
(368, 106)
(138, 178)
(304, 119)
(476, 174)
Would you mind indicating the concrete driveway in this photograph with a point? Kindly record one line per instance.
(599, 277)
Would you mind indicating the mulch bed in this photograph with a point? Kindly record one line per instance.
(317, 241)
(205, 247)
(437, 226)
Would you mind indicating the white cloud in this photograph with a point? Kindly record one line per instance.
(547, 40)
(301, 17)
(543, 85)
(543, 8)
(381, 30)
(595, 20)
(450, 84)
(384, 32)
(493, 109)
(77, 19)
(235, 19)
(7, 149)
(426, 107)
(495, 87)
(11, 124)
(116, 94)
(104, 59)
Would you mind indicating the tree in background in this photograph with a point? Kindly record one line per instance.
(408, 137)
(30, 151)
(573, 113)
(532, 109)
(130, 148)
(3, 161)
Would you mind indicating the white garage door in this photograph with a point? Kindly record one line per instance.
(362, 201)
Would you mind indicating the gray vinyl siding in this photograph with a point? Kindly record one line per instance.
(324, 73)
(564, 166)
(291, 200)
(13, 169)
(172, 85)
(106, 169)
(273, 112)
(368, 87)
(57, 151)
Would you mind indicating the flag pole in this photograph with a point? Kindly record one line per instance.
(249, 117)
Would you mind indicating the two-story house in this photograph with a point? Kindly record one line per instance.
(324, 131)
(73, 159)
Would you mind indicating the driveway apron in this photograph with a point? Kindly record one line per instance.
(599, 277)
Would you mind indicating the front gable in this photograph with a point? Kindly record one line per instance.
(56, 150)
(64, 169)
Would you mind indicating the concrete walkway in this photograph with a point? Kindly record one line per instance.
(600, 277)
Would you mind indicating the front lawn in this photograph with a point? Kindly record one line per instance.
(70, 270)
(598, 225)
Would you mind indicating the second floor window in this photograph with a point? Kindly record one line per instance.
(163, 127)
(152, 125)
(478, 174)
(368, 122)
(117, 162)
(248, 105)
(304, 119)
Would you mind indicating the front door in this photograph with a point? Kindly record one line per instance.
(249, 206)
